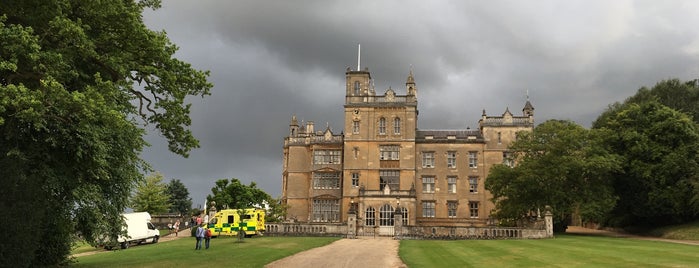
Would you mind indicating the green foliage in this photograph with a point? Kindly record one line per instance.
(673, 93)
(234, 194)
(195, 212)
(180, 202)
(660, 172)
(151, 195)
(69, 139)
(686, 231)
(559, 164)
(277, 210)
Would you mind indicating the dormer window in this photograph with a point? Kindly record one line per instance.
(357, 88)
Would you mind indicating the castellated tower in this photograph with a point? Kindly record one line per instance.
(382, 164)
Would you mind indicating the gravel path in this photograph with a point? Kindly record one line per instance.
(362, 252)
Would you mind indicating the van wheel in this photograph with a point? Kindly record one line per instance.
(124, 245)
(155, 239)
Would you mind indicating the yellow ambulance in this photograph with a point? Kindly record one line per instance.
(231, 221)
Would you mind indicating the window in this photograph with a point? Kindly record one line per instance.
(396, 125)
(356, 88)
(390, 178)
(472, 159)
(326, 210)
(382, 126)
(473, 184)
(428, 184)
(327, 156)
(355, 127)
(370, 217)
(507, 159)
(389, 152)
(404, 212)
(326, 180)
(355, 179)
(451, 159)
(386, 215)
(499, 138)
(451, 208)
(427, 159)
(473, 209)
(451, 185)
(428, 209)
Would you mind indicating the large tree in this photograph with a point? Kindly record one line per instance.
(179, 197)
(659, 180)
(234, 194)
(559, 164)
(151, 195)
(76, 77)
(673, 93)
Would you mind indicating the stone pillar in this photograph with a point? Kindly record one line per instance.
(397, 224)
(548, 219)
(352, 221)
(212, 211)
(351, 224)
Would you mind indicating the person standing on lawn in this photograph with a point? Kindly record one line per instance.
(199, 234)
(176, 227)
(207, 237)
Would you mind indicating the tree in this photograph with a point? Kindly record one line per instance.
(673, 93)
(560, 164)
(659, 179)
(180, 202)
(151, 195)
(237, 195)
(75, 79)
(277, 210)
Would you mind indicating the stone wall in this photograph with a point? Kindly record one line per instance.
(161, 221)
(458, 233)
(298, 229)
(406, 232)
(542, 229)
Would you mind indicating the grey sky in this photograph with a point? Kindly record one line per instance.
(271, 59)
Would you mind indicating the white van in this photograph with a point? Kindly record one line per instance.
(139, 229)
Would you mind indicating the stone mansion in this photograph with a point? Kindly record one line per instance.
(383, 164)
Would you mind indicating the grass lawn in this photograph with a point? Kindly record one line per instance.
(562, 251)
(224, 252)
(81, 247)
(687, 231)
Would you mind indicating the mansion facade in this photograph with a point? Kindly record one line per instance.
(383, 164)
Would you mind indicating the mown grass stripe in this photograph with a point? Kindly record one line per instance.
(563, 251)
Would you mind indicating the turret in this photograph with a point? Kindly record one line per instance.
(309, 128)
(410, 84)
(528, 109)
(358, 85)
(293, 127)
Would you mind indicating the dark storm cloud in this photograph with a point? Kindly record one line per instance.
(269, 61)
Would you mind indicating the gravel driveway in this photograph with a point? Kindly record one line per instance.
(362, 252)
